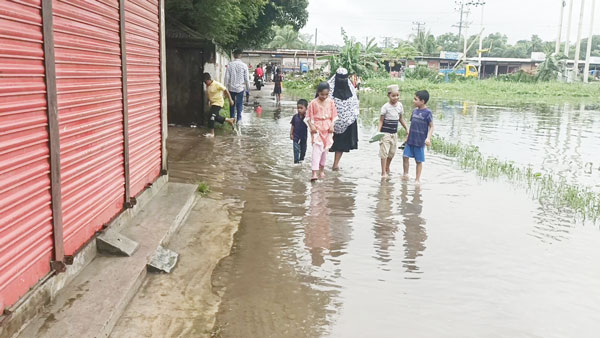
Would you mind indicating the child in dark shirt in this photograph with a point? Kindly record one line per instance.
(419, 135)
(298, 132)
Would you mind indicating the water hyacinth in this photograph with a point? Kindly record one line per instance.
(544, 187)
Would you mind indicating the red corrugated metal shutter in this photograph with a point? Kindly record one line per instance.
(88, 67)
(143, 87)
(25, 202)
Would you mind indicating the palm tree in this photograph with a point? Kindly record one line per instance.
(286, 38)
(403, 52)
(356, 58)
(425, 43)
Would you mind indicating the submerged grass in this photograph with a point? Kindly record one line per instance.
(545, 187)
(203, 188)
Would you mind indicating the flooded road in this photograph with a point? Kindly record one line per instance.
(354, 256)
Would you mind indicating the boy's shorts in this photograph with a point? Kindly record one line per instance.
(388, 145)
(418, 153)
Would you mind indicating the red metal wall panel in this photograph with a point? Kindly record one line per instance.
(90, 110)
(25, 203)
(143, 81)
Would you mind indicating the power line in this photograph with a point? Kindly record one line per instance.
(418, 25)
(386, 41)
(463, 9)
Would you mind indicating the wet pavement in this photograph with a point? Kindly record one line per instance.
(355, 256)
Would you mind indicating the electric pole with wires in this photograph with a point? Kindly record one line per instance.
(418, 27)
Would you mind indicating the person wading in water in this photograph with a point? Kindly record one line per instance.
(343, 94)
(236, 81)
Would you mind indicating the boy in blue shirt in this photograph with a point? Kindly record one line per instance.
(419, 135)
(299, 132)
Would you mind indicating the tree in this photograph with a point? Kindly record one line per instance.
(403, 52)
(537, 44)
(237, 23)
(356, 58)
(499, 43)
(275, 12)
(550, 68)
(448, 42)
(288, 38)
(425, 43)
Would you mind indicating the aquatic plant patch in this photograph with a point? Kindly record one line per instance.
(545, 187)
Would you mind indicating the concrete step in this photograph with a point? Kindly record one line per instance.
(93, 302)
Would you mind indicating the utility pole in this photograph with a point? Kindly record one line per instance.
(464, 14)
(460, 24)
(563, 4)
(481, 44)
(315, 50)
(419, 25)
(578, 46)
(386, 40)
(588, 54)
(568, 29)
(461, 9)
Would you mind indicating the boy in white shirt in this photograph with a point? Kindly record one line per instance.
(391, 114)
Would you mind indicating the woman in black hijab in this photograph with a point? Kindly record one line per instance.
(343, 94)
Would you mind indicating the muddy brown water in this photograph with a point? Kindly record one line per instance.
(355, 256)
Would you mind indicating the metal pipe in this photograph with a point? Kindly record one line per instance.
(163, 88)
(578, 46)
(123, 37)
(481, 42)
(588, 54)
(57, 264)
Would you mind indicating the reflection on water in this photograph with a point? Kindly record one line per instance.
(415, 234)
(386, 224)
(355, 256)
(318, 225)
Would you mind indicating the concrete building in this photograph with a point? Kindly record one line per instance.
(288, 60)
(189, 55)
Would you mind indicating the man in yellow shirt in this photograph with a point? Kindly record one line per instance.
(215, 92)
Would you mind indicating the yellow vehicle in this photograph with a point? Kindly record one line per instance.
(469, 71)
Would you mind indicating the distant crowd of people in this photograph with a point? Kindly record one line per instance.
(331, 117)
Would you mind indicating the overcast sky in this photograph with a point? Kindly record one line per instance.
(518, 19)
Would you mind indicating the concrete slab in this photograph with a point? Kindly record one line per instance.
(93, 302)
(114, 243)
(163, 260)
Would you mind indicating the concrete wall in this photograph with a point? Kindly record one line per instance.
(217, 65)
(289, 63)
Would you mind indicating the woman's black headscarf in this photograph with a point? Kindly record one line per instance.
(342, 90)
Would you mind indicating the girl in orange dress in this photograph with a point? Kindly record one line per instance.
(320, 118)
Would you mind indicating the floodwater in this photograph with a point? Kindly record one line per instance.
(561, 140)
(355, 256)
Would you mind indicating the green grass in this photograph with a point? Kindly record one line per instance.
(545, 187)
(488, 91)
(203, 188)
(492, 91)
